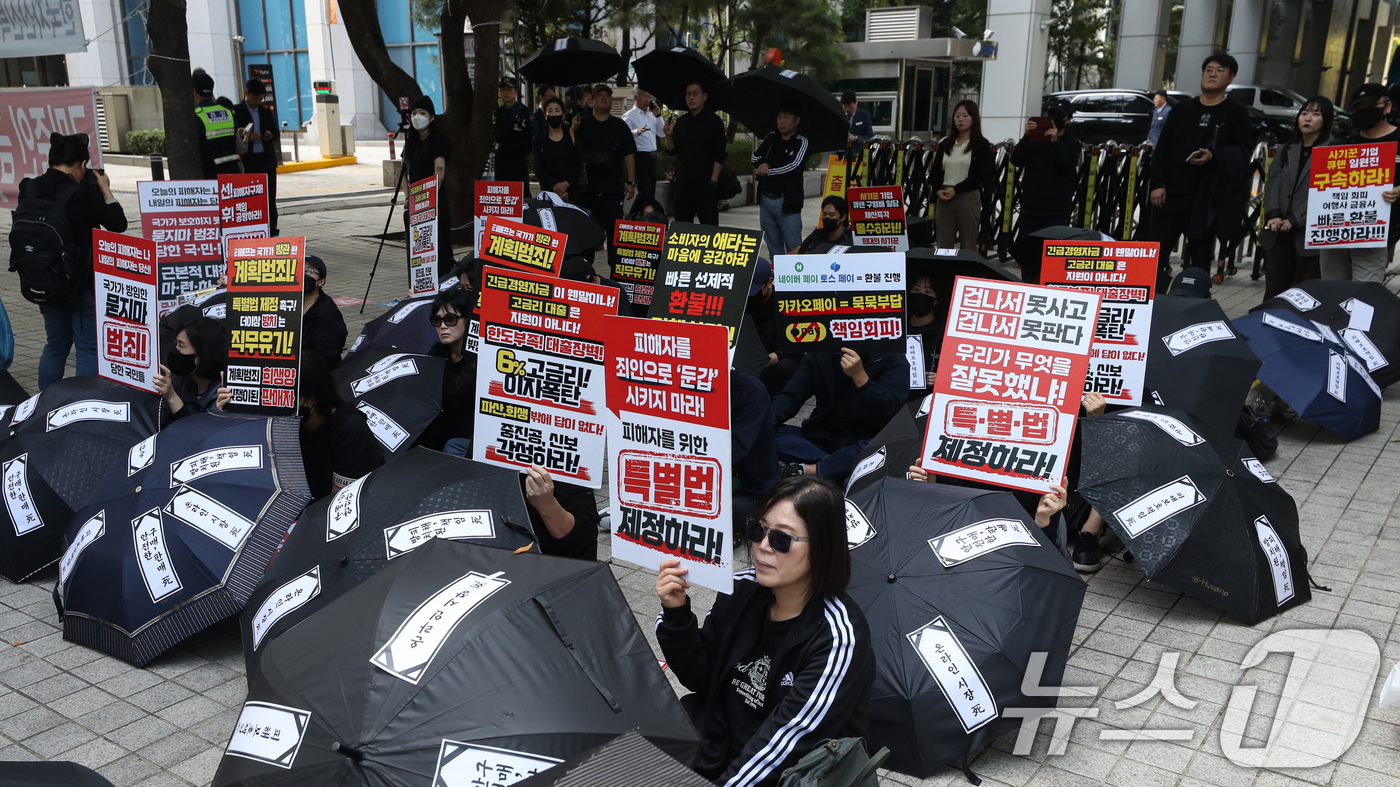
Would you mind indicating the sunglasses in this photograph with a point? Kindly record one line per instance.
(777, 539)
(439, 320)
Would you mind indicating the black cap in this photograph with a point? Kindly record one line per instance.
(762, 274)
(1191, 283)
(1371, 91)
(314, 262)
(510, 82)
(203, 84)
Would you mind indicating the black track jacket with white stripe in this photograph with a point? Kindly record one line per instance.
(827, 653)
(786, 160)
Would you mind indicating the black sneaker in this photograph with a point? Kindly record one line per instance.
(1088, 557)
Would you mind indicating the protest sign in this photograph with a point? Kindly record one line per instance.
(29, 116)
(705, 275)
(1123, 274)
(668, 446)
(182, 218)
(539, 380)
(1345, 207)
(635, 253)
(124, 280)
(243, 208)
(423, 237)
(264, 323)
(877, 217)
(826, 301)
(499, 198)
(1009, 382)
(521, 246)
(834, 184)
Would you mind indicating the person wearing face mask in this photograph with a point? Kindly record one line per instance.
(191, 379)
(558, 162)
(323, 330)
(964, 164)
(337, 445)
(451, 431)
(926, 321)
(1287, 260)
(425, 154)
(1370, 106)
(834, 230)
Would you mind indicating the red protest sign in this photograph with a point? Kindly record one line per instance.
(265, 302)
(243, 208)
(423, 237)
(29, 116)
(877, 217)
(124, 280)
(1345, 206)
(499, 198)
(522, 246)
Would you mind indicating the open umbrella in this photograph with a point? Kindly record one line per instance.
(552, 213)
(1029, 247)
(1199, 513)
(453, 657)
(49, 774)
(343, 540)
(627, 761)
(399, 393)
(212, 305)
(1305, 363)
(1364, 315)
(754, 97)
(11, 392)
(404, 327)
(572, 61)
(55, 447)
(1197, 362)
(960, 590)
(942, 266)
(666, 72)
(892, 451)
(176, 537)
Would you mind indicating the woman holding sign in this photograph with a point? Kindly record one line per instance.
(190, 379)
(783, 662)
(1287, 260)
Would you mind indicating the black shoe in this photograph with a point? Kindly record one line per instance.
(1088, 557)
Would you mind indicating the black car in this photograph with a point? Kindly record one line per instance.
(1098, 116)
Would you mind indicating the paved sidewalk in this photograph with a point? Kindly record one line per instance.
(167, 724)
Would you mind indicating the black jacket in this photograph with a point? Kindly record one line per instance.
(753, 447)
(267, 121)
(514, 129)
(1049, 175)
(323, 331)
(979, 175)
(557, 162)
(786, 160)
(827, 654)
(86, 211)
(581, 542)
(844, 414)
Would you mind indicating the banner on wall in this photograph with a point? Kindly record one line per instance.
(29, 115)
(124, 282)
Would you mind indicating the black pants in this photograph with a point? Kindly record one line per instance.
(265, 163)
(646, 180)
(606, 209)
(1169, 223)
(1035, 222)
(697, 202)
(514, 171)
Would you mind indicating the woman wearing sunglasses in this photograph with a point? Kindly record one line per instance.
(783, 662)
(451, 432)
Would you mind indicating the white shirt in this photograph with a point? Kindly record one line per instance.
(636, 119)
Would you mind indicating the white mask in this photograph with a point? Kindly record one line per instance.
(420, 122)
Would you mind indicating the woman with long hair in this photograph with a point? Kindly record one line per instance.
(192, 378)
(964, 164)
(558, 162)
(1287, 259)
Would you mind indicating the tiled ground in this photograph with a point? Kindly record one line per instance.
(167, 724)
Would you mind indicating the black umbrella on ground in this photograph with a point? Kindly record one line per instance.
(1200, 515)
(399, 393)
(754, 97)
(49, 774)
(960, 590)
(55, 448)
(1198, 362)
(572, 61)
(1364, 315)
(1030, 246)
(347, 538)
(626, 761)
(213, 306)
(451, 654)
(559, 216)
(942, 266)
(404, 327)
(665, 73)
(11, 392)
(176, 537)
(892, 451)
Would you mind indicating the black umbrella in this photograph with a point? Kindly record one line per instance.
(572, 61)
(942, 266)
(754, 97)
(1200, 515)
(628, 760)
(49, 774)
(343, 540)
(213, 306)
(960, 590)
(1198, 362)
(665, 74)
(572, 220)
(11, 392)
(405, 327)
(1029, 247)
(1364, 315)
(399, 393)
(452, 656)
(56, 447)
(895, 449)
(175, 538)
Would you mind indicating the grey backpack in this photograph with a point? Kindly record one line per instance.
(836, 762)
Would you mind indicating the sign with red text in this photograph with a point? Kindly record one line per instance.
(1009, 382)
(264, 323)
(522, 246)
(243, 209)
(500, 198)
(1123, 274)
(877, 217)
(705, 275)
(636, 251)
(1345, 207)
(29, 116)
(540, 377)
(668, 446)
(182, 218)
(124, 282)
(826, 302)
(423, 237)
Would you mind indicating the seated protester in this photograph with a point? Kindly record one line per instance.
(451, 431)
(834, 231)
(190, 380)
(927, 319)
(1047, 506)
(652, 211)
(337, 445)
(564, 516)
(785, 661)
(753, 452)
(323, 329)
(856, 397)
(763, 308)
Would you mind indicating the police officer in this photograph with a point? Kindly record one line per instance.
(515, 132)
(218, 152)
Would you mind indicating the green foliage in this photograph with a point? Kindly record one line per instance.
(807, 31)
(144, 143)
(1081, 55)
(736, 158)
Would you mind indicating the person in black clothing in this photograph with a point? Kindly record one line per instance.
(451, 431)
(425, 154)
(564, 516)
(1049, 174)
(218, 147)
(778, 164)
(323, 328)
(963, 165)
(87, 199)
(558, 163)
(1370, 107)
(337, 445)
(543, 94)
(262, 155)
(927, 319)
(785, 660)
(834, 231)
(762, 306)
(753, 451)
(697, 139)
(191, 379)
(515, 130)
(1200, 172)
(608, 150)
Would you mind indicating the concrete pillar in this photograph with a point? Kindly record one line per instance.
(331, 57)
(1340, 26)
(1142, 45)
(1312, 46)
(211, 31)
(104, 62)
(1199, 25)
(1276, 67)
(1248, 20)
(1012, 84)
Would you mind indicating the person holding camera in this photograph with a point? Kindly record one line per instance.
(515, 131)
(425, 154)
(1049, 164)
(643, 118)
(258, 128)
(697, 139)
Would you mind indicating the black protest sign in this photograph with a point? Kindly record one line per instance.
(705, 275)
(264, 323)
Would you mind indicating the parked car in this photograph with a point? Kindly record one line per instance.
(1272, 100)
(1098, 116)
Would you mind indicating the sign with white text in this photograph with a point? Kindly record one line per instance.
(124, 283)
(1345, 207)
(264, 323)
(182, 217)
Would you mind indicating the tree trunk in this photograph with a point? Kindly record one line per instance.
(169, 63)
(367, 39)
(626, 53)
(470, 112)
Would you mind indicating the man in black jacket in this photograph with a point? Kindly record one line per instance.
(609, 154)
(515, 130)
(697, 139)
(778, 164)
(263, 153)
(1049, 174)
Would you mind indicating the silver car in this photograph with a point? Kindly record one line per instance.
(1272, 100)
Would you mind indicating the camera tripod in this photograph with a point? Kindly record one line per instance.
(394, 203)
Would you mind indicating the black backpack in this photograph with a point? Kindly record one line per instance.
(42, 247)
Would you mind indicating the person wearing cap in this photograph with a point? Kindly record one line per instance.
(515, 131)
(697, 140)
(257, 126)
(425, 154)
(609, 152)
(323, 328)
(778, 165)
(1369, 107)
(218, 148)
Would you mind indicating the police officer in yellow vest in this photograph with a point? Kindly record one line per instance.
(218, 152)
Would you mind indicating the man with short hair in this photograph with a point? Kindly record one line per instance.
(646, 129)
(515, 133)
(608, 149)
(1160, 110)
(262, 139)
(697, 138)
(778, 165)
(1369, 108)
(218, 150)
(542, 94)
(858, 120)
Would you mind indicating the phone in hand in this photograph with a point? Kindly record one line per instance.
(1195, 156)
(1042, 126)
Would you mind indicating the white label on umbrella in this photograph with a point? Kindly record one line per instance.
(89, 410)
(1336, 376)
(404, 368)
(957, 675)
(1326, 331)
(359, 340)
(1257, 468)
(914, 352)
(268, 733)
(345, 510)
(386, 429)
(140, 456)
(1364, 374)
(560, 44)
(216, 460)
(156, 570)
(1362, 313)
(1195, 335)
(285, 600)
(418, 639)
(974, 541)
(25, 409)
(1157, 399)
(837, 250)
(946, 252)
(867, 466)
(466, 764)
(91, 530)
(1302, 300)
(1288, 326)
(858, 527)
(449, 283)
(1178, 431)
(547, 220)
(788, 73)
(1159, 505)
(1277, 556)
(216, 312)
(1362, 345)
(20, 504)
(925, 406)
(5, 410)
(402, 314)
(401, 539)
(386, 362)
(210, 517)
